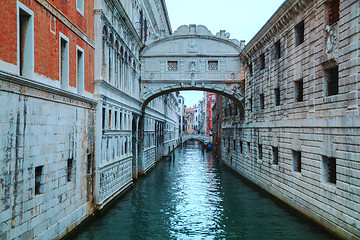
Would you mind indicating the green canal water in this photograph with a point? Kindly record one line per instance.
(193, 196)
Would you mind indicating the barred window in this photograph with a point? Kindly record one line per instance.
(334, 11)
(213, 65)
(172, 66)
(299, 33)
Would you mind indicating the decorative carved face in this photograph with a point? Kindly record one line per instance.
(192, 65)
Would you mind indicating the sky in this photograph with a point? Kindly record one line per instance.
(241, 18)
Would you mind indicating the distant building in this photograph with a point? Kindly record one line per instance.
(189, 120)
(181, 113)
(210, 101)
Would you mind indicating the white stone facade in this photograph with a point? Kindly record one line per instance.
(299, 139)
(120, 32)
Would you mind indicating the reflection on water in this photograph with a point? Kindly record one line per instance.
(193, 197)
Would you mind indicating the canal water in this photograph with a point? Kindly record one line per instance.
(194, 197)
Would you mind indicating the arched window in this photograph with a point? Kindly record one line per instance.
(116, 77)
(110, 56)
(104, 39)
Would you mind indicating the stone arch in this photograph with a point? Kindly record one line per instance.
(121, 51)
(111, 39)
(193, 59)
(237, 98)
(116, 46)
(105, 32)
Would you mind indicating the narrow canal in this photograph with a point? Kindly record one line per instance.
(194, 197)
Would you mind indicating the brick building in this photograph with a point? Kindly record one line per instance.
(69, 81)
(46, 89)
(210, 101)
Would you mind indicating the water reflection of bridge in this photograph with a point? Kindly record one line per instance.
(200, 137)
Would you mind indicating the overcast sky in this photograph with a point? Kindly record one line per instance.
(241, 18)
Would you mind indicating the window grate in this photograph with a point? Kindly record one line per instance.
(213, 65)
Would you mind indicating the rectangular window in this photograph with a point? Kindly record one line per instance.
(296, 161)
(329, 169)
(248, 147)
(69, 168)
(126, 143)
(250, 104)
(103, 117)
(262, 101)
(332, 81)
(89, 163)
(39, 180)
(277, 96)
(241, 147)
(299, 91)
(64, 62)
(116, 120)
(213, 65)
(277, 49)
(334, 11)
(250, 69)
(260, 151)
(299, 33)
(262, 61)
(121, 126)
(172, 66)
(110, 117)
(25, 41)
(80, 6)
(275, 151)
(80, 70)
(235, 145)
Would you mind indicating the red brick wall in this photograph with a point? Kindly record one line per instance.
(8, 32)
(46, 43)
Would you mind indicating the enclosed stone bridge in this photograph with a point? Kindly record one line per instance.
(192, 59)
(200, 137)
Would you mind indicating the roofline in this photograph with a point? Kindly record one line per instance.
(280, 12)
(163, 4)
(176, 37)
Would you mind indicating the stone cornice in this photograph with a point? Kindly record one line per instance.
(105, 85)
(278, 21)
(168, 24)
(59, 15)
(177, 37)
(19, 85)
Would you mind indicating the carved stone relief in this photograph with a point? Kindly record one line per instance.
(330, 39)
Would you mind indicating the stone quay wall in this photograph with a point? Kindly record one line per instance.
(47, 144)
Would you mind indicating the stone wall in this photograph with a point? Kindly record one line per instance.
(299, 138)
(47, 144)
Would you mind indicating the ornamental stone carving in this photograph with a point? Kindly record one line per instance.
(330, 39)
(192, 66)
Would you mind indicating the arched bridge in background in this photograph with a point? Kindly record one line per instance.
(192, 59)
(200, 137)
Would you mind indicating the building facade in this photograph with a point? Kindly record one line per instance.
(121, 31)
(297, 138)
(47, 134)
(181, 114)
(210, 101)
(69, 74)
(189, 120)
